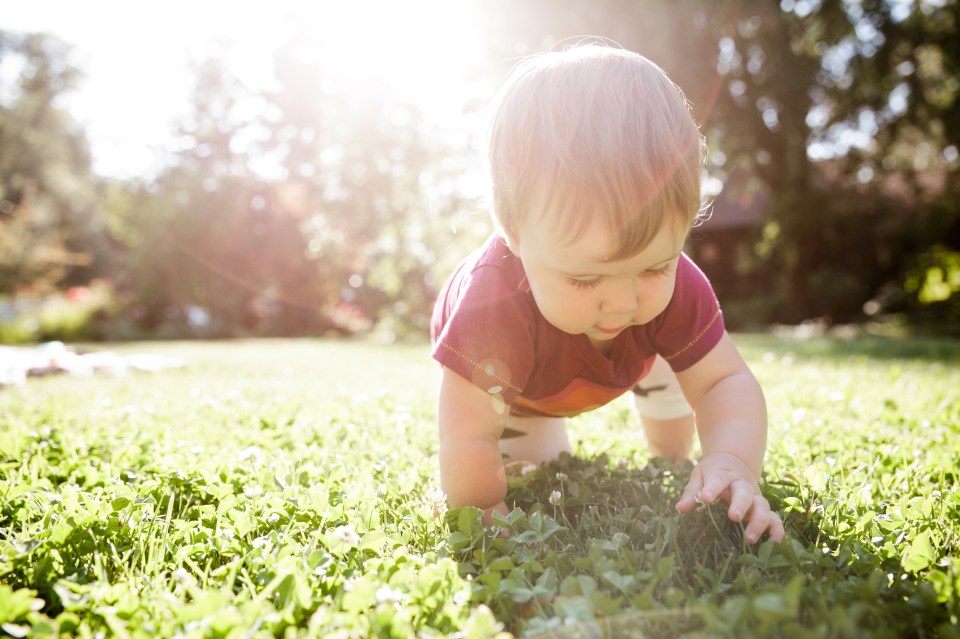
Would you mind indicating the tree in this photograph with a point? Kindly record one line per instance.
(322, 203)
(50, 229)
(378, 185)
(782, 87)
(213, 234)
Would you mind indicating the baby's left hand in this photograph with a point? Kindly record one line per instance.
(723, 476)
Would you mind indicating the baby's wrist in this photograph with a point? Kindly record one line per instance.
(738, 460)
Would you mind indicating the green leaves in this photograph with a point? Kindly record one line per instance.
(627, 552)
(223, 509)
(15, 604)
(920, 554)
(235, 509)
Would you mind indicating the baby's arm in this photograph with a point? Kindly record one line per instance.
(471, 467)
(732, 427)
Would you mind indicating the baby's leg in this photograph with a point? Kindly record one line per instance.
(534, 440)
(666, 416)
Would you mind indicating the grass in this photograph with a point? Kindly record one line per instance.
(289, 488)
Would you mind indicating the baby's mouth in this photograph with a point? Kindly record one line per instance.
(610, 331)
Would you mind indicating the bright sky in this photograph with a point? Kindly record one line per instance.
(136, 57)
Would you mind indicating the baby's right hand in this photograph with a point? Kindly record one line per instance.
(723, 476)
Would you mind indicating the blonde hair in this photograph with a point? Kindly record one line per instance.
(592, 133)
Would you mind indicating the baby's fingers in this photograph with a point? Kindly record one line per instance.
(690, 498)
(716, 486)
(742, 494)
(762, 519)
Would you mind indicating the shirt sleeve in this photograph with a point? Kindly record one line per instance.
(692, 323)
(482, 331)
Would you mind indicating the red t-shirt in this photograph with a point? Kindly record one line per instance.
(487, 328)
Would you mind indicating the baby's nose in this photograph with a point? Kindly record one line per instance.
(623, 297)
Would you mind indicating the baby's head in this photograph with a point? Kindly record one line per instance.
(594, 135)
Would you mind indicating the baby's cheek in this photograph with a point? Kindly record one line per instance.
(568, 316)
(666, 293)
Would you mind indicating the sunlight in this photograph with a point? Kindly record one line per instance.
(424, 49)
(138, 65)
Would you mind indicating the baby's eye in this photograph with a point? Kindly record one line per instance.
(658, 272)
(584, 284)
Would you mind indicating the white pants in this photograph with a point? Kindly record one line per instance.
(537, 440)
(658, 395)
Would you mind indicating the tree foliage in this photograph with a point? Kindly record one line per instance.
(314, 206)
(838, 111)
(49, 229)
(324, 202)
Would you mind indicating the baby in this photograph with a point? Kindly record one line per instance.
(583, 291)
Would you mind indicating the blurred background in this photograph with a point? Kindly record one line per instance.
(214, 169)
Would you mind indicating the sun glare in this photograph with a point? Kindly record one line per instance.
(422, 48)
(139, 79)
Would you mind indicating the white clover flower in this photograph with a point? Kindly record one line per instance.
(562, 476)
(181, 576)
(388, 594)
(555, 498)
(273, 518)
(527, 469)
(225, 534)
(461, 597)
(251, 454)
(436, 500)
(347, 534)
(252, 490)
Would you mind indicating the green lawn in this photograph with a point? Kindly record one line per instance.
(289, 488)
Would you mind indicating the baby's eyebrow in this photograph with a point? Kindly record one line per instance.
(652, 267)
(603, 259)
(663, 262)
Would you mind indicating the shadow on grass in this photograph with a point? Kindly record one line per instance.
(597, 550)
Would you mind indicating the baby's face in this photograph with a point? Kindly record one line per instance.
(581, 292)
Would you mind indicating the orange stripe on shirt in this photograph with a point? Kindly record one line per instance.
(579, 396)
